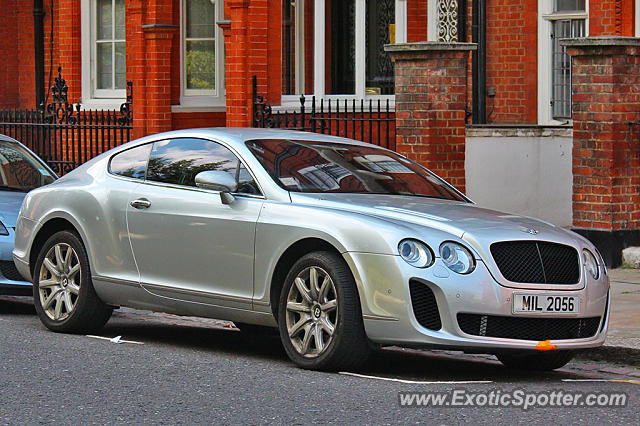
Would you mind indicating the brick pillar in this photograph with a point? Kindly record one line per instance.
(158, 39)
(237, 78)
(606, 143)
(136, 72)
(431, 82)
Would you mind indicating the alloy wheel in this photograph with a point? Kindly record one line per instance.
(311, 312)
(59, 282)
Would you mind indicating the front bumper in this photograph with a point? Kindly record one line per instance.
(11, 280)
(383, 284)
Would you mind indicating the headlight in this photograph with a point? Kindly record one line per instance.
(3, 229)
(457, 257)
(415, 253)
(591, 264)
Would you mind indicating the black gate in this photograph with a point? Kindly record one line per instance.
(369, 121)
(65, 136)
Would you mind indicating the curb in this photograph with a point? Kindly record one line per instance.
(617, 354)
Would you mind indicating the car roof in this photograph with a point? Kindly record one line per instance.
(239, 135)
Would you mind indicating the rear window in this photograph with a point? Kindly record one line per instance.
(132, 162)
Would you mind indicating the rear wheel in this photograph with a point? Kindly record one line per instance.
(63, 292)
(540, 361)
(319, 316)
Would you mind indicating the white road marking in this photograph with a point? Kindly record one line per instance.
(633, 382)
(114, 339)
(414, 382)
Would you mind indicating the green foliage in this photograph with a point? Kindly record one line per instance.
(201, 69)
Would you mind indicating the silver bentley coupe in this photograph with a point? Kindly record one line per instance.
(341, 245)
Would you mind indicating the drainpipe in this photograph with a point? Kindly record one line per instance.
(38, 47)
(479, 61)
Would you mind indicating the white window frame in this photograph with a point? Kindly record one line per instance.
(637, 19)
(192, 100)
(93, 98)
(545, 47)
(319, 52)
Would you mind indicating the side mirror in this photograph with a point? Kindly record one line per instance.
(218, 181)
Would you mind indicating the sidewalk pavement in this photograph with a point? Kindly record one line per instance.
(623, 339)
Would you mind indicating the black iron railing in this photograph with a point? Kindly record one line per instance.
(370, 121)
(63, 134)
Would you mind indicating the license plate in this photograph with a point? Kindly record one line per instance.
(545, 304)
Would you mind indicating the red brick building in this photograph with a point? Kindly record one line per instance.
(191, 63)
(191, 60)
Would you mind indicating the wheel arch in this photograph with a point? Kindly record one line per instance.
(50, 226)
(290, 256)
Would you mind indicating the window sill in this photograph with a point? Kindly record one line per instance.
(198, 108)
(102, 104)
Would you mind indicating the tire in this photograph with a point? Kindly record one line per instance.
(67, 302)
(322, 330)
(542, 361)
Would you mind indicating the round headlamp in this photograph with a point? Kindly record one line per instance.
(591, 264)
(415, 253)
(457, 257)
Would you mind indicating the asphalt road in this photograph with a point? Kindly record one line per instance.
(189, 371)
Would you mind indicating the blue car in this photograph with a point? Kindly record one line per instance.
(20, 172)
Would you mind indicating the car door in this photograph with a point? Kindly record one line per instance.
(187, 244)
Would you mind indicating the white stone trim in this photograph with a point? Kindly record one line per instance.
(637, 18)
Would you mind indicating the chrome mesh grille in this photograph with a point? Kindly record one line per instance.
(538, 262)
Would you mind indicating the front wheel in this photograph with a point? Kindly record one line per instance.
(63, 292)
(319, 315)
(541, 361)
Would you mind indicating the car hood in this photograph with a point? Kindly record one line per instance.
(479, 226)
(10, 203)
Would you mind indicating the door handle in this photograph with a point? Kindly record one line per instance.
(140, 203)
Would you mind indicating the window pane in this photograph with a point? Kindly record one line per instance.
(200, 19)
(104, 63)
(178, 161)
(104, 20)
(201, 65)
(561, 66)
(569, 5)
(297, 47)
(379, 24)
(340, 42)
(305, 166)
(132, 162)
(121, 69)
(120, 22)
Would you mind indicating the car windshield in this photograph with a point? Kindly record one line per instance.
(308, 166)
(19, 170)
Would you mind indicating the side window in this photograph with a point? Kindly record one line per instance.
(178, 161)
(132, 162)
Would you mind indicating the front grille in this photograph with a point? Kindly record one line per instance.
(8, 269)
(528, 328)
(538, 262)
(425, 307)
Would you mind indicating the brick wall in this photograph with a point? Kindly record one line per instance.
(611, 17)
(430, 108)
(512, 42)
(9, 90)
(606, 153)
